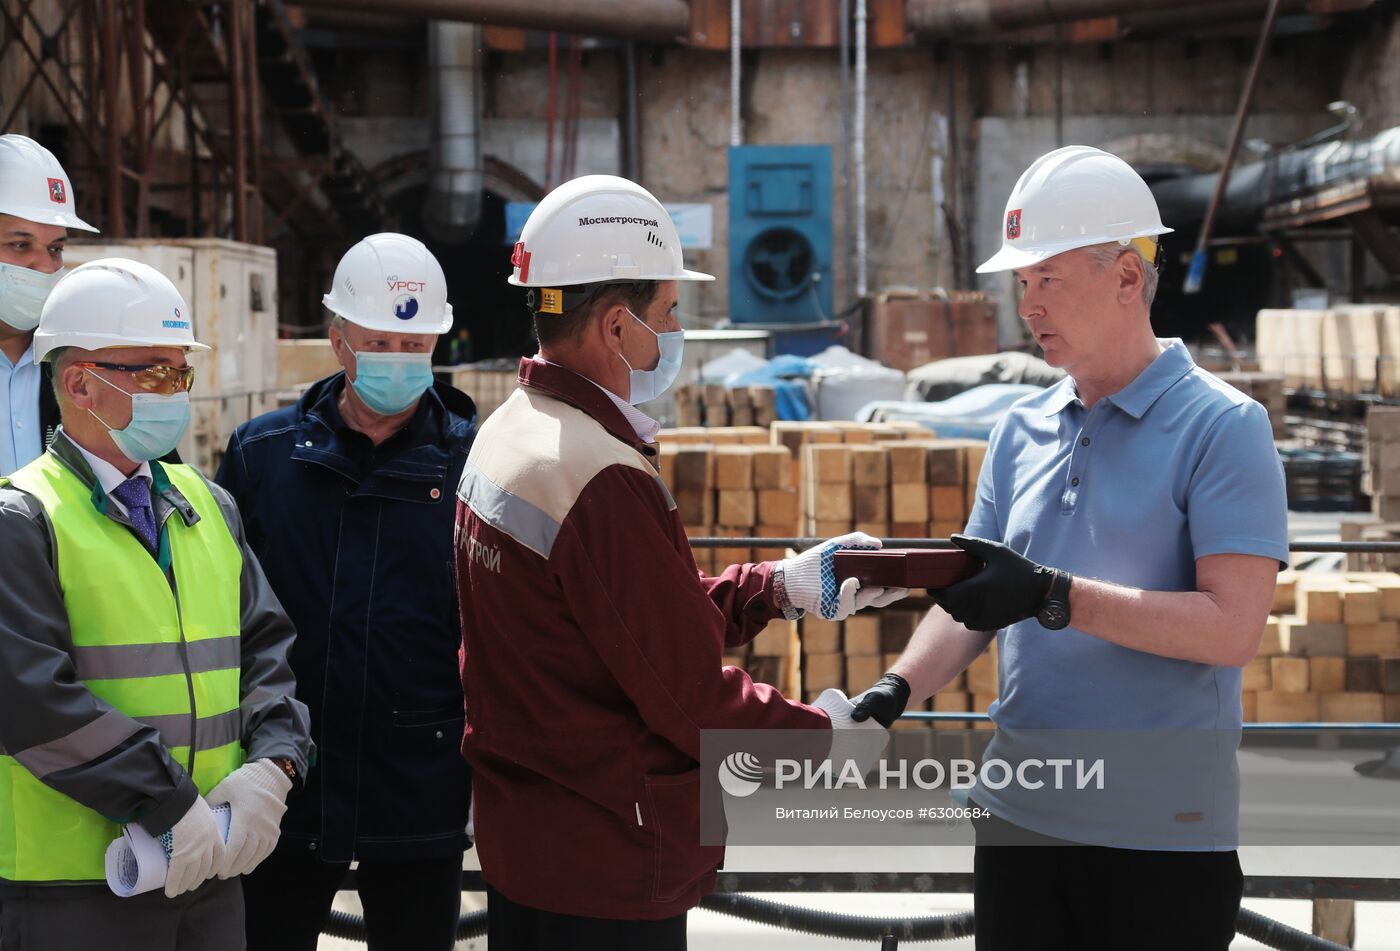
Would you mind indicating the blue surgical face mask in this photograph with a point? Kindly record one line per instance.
(649, 384)
(22, 294)
(157, 423)
(390, 383)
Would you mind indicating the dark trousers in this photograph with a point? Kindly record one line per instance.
(1058, 895)
(409, 906)
(82, 918)
(514, 927)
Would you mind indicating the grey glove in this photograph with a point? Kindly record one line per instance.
(257, 796)
(196, 848)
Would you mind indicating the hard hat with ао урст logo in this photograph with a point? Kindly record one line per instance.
(34, 186)
(114, 302)
(1071, 198)
(597, 229)
(392, 283)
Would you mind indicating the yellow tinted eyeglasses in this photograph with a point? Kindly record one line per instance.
(152, 377)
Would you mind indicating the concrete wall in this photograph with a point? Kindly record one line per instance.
(793, 97)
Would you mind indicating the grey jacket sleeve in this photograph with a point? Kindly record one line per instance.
(50, 722)
(275, 723)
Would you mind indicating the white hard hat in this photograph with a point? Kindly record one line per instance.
(33, 186)
(114, 302)
(391, 282)
(598, 229)
(1071, 198)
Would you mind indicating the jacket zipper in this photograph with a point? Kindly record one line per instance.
(639, 812)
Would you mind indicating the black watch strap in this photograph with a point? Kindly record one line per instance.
(1054, 610)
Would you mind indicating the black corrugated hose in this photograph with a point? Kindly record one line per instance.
(1266, 931)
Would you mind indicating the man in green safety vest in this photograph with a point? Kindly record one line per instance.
(143, 657)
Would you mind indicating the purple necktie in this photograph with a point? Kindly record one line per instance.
(135, 494)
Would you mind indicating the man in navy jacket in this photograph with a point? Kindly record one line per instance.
(347, 498)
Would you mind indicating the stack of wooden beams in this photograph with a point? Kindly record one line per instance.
(1330, 652)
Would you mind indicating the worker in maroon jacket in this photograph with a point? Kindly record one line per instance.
(592, 645)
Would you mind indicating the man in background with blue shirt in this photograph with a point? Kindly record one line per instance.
(1130, 520)
(36, 210)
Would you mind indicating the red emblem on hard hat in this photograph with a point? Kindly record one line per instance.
(1013, 225)
(521, 258)
(57, 193)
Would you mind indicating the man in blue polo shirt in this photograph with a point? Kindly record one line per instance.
(1131, 520)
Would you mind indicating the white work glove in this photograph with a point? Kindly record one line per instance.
(257, 796)
(196, 848)
(851, 739)
(810, 581)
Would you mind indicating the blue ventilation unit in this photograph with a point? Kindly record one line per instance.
(780, 234)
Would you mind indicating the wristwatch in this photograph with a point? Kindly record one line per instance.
(1054, 610)
(285, 765)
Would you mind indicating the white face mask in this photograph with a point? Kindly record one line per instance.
(22, 294)
(649, 384)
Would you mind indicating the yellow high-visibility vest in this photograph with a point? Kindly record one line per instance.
(164, 653)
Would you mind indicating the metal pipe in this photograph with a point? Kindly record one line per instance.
(736, 29)
(862, 273)
(959, 17)
(456, 178)
(1198, 260)
(115, 225)
(641, 19)
(238, 114)
(848, 239)
(632, 123)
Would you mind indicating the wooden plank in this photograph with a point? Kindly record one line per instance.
(778, 639)
(1381, 638)
(909, 503)
(872, 503)
(1361, 604)
(819, 636)
(1319, 599)
(694, 467)
(896, 627)
(1313, 639)
(908, 462)
(1352, 708)
(862, 635)
(981, 703)
(1282, 707)
(1390, 674)
(1249, 702)
(1270, 645)
(736, 508)
(778, 507)
(947, 463)
(1327, 674)
(1362, 674)
(831, 503)
(870, 466)
(1392, 708)
(772, 467)
(823, 671)
(1258, 675)
(826, 464)
(863, 671)
(982, 675)
(733, 467)
(1289, 675)
(695, 506)
(947, 503)
(952, 701)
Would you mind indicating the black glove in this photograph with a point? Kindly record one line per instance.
(885, 701)
(1007, 588)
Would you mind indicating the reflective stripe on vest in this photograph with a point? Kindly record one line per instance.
(170, 661)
